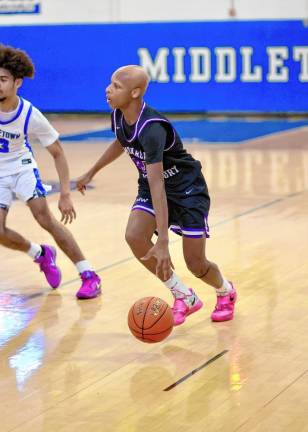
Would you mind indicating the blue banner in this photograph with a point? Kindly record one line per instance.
(237, 66)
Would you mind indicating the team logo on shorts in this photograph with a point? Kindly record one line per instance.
(144, 200)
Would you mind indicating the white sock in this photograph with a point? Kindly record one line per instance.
(177, 287)
(83, 266)
(225, 288)
(34, 251)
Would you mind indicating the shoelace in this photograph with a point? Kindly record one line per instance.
(183, 296)
(222, 306)
(86, 275)
(178, 304)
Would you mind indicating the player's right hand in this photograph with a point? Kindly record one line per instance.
(164, 264)
(81, 183)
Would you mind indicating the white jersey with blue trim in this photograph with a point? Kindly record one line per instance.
(15, 128)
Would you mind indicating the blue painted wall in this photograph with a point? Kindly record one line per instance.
(74, 64)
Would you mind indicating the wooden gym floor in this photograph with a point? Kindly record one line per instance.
(70, 366)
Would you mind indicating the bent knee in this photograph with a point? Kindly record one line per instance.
(198, 267)
(135, 236)
(132, 237)
(45, 219)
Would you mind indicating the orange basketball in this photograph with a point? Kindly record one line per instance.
(150, 319)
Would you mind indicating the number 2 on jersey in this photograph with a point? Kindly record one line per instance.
(4, 145)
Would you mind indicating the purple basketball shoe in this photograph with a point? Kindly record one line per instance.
(90, 287)
(47, 263)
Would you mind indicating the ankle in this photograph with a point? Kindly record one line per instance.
(178, 289)
(225, 288)
(35, 251)
(83, 266)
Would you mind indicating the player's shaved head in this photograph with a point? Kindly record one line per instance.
(133, 77)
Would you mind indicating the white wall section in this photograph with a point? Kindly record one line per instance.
(121, 11)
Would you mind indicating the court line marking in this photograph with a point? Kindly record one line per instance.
(194, 371)
(271, 400)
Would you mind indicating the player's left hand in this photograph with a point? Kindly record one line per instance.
(67, 210)
(164, 264)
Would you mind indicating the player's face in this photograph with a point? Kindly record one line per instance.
(117, 93)
(8, 85)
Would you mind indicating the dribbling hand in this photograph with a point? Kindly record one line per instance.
(164, 264)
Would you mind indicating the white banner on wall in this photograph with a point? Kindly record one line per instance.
(9, 7)
(19, 12)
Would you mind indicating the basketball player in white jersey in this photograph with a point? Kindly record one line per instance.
(19, 174)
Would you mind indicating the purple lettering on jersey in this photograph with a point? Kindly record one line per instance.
(139, 164)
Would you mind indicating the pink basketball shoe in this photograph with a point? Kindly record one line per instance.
(185, 306)
(224, 308)
(90, 287)
(47, 263)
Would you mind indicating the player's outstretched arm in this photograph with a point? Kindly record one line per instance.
(112, 152)
(160, 250)
(65, 203)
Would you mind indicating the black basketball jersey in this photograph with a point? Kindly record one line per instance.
(180, 169)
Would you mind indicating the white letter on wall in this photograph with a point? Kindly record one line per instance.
(300, 53)
(248, 75)
(156, 69)
(277, 72)
(200, 64)
(179, 75)
(226, 64)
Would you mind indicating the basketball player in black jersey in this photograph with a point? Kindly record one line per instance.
(172, 193)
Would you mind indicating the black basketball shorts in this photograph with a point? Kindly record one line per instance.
(188, 214)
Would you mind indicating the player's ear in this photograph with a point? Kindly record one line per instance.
(18, 83)
(136, 92)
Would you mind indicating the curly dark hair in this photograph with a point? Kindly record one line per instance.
(16, 61)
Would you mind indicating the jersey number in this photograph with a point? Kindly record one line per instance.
(4, 145)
